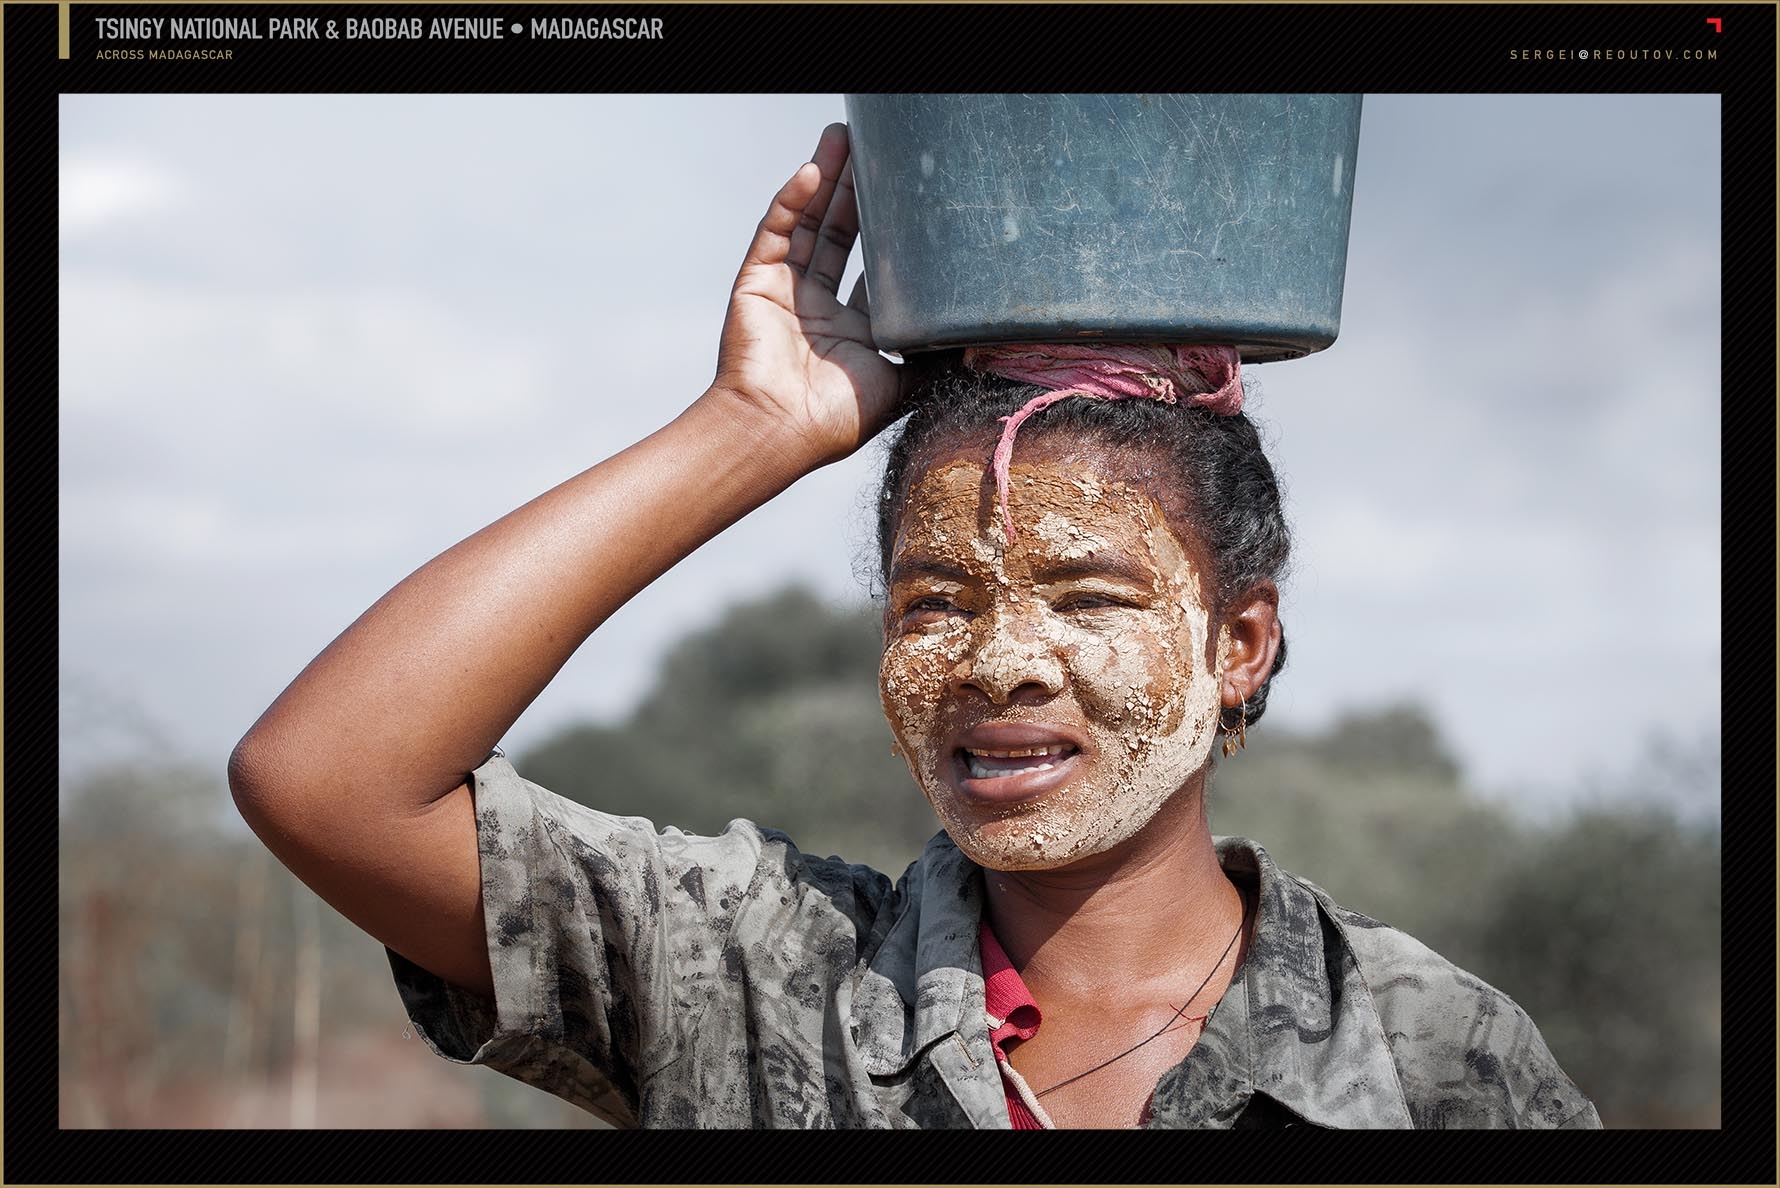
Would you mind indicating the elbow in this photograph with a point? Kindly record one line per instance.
(247, 782)
(266, 794)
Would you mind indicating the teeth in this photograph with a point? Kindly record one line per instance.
(982, 771)
(988, 765)
(1029, 752)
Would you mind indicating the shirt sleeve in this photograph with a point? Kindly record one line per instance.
(604, 938)
(1584, 1119)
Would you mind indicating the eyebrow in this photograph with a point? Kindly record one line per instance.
(1106, 564)
(1101, 564)
(921, 565)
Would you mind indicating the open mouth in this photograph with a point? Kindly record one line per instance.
(1009, 775)
(994, 765)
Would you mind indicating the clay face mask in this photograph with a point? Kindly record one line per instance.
(1049, 695)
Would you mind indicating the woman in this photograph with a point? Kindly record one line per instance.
(1069, 630)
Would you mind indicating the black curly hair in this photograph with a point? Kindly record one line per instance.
(1217, 471)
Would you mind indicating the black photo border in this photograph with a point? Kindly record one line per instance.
(907, 47)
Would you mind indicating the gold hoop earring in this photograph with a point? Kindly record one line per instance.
(1236, 737)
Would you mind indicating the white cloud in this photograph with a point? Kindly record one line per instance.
(393, 358)
(100, 190)
(141, 526)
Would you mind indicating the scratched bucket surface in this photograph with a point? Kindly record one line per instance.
(1164, 218)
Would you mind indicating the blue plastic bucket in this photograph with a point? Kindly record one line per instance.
(1157, 218)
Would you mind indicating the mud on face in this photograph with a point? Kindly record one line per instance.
(1050, 694)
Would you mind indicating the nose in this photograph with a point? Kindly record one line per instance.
(1010, 662)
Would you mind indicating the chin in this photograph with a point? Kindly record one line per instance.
(1079, 822)
(1024, 842)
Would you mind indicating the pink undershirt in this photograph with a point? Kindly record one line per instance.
(1013, 1016)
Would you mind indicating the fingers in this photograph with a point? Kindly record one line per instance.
(772, 239)
(840, 227)
(813, 221)
(830, 157)
(860, 300)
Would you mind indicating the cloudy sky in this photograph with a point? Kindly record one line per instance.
(307, 342)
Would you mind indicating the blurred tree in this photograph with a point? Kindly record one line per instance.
(200, 984)
(1607, 931)
(1399, 739)
(771, 714)
(168, 803)
(1373, 810)
(146, 891)
(783, 642)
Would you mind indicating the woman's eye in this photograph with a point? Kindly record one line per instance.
(930, 609)
(1082, 602)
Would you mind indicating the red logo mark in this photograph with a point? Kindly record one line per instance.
(1717, 24)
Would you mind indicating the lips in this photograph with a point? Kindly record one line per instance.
(1009, 762)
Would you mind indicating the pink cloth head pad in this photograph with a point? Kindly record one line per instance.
(1207, 376)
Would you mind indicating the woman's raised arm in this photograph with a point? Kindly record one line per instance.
(356, 775)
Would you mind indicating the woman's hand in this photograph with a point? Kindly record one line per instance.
(791, 350)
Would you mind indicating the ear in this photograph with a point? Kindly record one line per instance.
(1250, 641)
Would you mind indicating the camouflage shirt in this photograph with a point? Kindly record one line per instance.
(734, 981)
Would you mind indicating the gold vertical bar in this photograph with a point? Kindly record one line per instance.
(62, 29)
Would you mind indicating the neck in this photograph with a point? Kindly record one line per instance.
(1151, 907)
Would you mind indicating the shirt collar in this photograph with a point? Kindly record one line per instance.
(927, 974)
(1299, 1025)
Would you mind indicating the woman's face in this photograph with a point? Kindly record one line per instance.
(1050, 695)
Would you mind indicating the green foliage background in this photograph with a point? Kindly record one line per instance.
(1603, 924)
